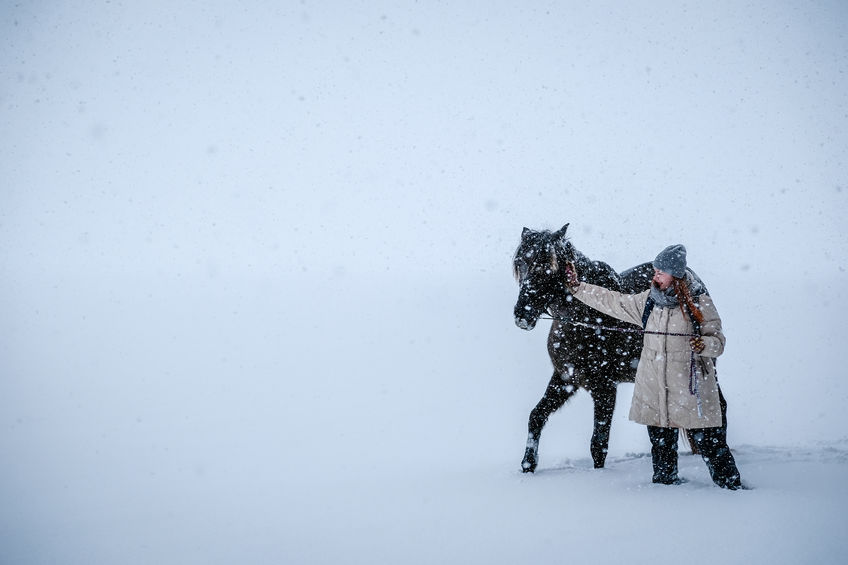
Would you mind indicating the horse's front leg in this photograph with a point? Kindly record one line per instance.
(560, 389)
(603, 396)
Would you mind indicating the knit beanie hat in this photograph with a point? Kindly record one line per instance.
(672, 260)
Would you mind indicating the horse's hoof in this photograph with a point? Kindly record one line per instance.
(599, 459)
(599, 455)
(528, 465)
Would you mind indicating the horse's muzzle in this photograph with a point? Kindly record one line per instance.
(524, 323)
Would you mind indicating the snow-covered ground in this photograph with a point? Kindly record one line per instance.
(474, 513)
(255, 282)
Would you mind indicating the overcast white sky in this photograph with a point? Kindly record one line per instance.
(418, 137)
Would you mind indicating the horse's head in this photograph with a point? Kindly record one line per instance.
(537, 264)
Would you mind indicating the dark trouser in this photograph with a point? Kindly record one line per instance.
(711, 443)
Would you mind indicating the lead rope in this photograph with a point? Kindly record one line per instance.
(694, 389)
(694, 386)
(613, 329)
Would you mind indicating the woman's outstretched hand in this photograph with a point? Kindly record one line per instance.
(571, 275)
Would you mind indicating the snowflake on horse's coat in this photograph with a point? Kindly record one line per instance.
(582, 357)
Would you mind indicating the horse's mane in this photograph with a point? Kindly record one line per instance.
(560, 251)
(594, 272)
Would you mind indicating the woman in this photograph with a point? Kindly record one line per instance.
(675, 381)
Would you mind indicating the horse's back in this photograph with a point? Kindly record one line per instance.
(603, 275)
(638, 279)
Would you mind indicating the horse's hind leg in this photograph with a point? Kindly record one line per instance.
(557, 393)
(604, 400)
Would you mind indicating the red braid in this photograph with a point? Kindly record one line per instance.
(682, 291)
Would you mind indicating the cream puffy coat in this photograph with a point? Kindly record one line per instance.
(661, 396)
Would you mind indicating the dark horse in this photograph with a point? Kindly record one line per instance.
(583, 357)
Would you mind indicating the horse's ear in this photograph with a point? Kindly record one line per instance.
(525, 231)
(562, 230)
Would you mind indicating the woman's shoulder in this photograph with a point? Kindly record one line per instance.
(704, 300)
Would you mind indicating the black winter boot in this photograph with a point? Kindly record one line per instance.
(664, 455)
(712, 445)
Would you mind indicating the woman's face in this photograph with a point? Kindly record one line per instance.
(662, 280)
